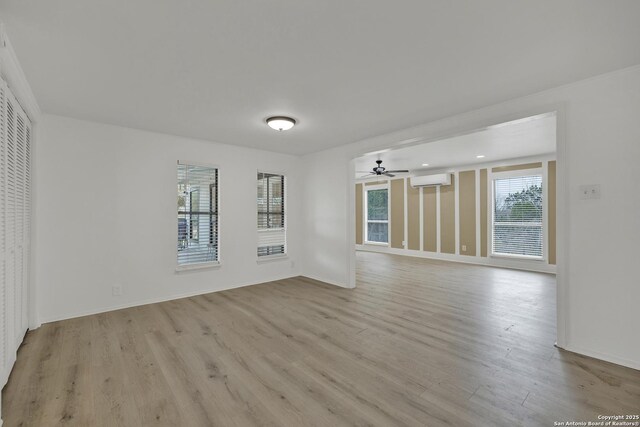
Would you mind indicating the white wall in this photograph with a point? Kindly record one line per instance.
(92, 180)
(106, 214)
(328, 201)
(599, 143)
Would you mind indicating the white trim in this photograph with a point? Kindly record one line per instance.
(478, 216)
(378, 178)
(545, 211)
(271, 173)
(438, 246)
(198, 266)
(330, 282)
(515, 256)
(267, 230)
(634, 364)
(271, 258)
(405, 238)
(506, 162)
(34, 321)
(563, 308)
(520, 173)
(456, 201)
(198, 164)
(499, 262)
(350, 241)
(366, 242)
(147, 301)
(376, 187)
(489, 219)
(421, 199)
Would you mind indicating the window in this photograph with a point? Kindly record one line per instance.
(271, 215)
(197, 214)
(377, 212)
(517, 216)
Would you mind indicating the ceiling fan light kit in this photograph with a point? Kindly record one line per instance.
(281, 123)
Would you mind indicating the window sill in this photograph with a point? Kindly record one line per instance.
(376, 243)
(272, 258)
(518, 257)
(199, 266)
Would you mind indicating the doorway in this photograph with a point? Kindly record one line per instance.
(499, 208)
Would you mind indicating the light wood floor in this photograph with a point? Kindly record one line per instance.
(418, 342)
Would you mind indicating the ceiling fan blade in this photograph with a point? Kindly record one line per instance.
(368, 175)
(389, 174)
(399, 171)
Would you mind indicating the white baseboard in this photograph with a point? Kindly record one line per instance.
(138, 303)
(633, 364)
(516, 264)
(330, 282)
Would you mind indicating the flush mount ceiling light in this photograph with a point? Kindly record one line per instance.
(480, 156)
(425, 164)
(281, 123)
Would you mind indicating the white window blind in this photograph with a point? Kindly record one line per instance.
(197, 214)
(517, 216)
(15, 220)
(272, 236)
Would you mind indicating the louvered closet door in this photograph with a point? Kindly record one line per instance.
(16, 220)
(22, 225)
(4, 362)
(26, 241)
(10, 224)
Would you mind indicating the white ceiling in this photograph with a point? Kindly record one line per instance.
(533, 136)
(346, 70)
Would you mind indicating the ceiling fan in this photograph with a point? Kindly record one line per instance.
(380, 170)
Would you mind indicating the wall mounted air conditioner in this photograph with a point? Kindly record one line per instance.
(431, 180)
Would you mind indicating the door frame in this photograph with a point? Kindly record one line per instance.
(470, 123)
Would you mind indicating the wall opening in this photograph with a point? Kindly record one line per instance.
(497, 209)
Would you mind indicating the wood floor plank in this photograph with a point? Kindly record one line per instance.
(417, 342)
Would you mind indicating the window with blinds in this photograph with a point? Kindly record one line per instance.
(197, 214)
(377, 215)
(517, 216)
(272, 236)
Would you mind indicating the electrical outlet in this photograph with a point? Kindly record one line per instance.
(404, 243)
(590, 192)
(116, 290)
(464, 248)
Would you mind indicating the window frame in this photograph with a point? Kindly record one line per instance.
(208, 264)
(365, 198)
(285, 210)
(491, 182)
